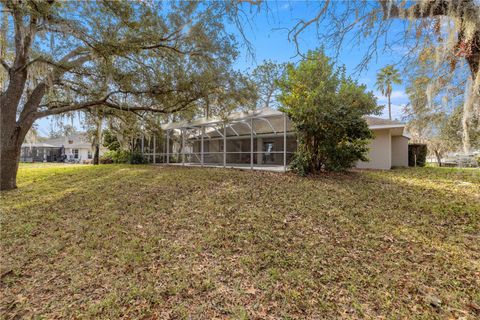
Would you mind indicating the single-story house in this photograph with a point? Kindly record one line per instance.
(261, 139)
(40, 152)
(73, 148)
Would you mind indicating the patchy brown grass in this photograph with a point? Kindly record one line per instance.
(117, 241)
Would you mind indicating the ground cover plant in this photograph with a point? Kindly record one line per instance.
(122, 241)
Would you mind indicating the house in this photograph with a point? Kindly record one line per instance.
(261, 139)
(40, 152)
(72, 148)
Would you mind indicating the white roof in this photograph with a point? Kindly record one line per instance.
(37, 145)
(234, 116)
(266, 120)
(76, 141)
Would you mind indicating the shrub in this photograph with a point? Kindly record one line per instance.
(418, 152)
(118, 156)
(302, 163)
(136, 158)
(122, 156)
(105, 159)
(326, 108)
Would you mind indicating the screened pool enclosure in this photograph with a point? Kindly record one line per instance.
(259, 139)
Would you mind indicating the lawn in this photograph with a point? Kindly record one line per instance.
(117, 241)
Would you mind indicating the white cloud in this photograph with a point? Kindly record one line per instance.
(397, 94)
(397, 112)
(285, 6)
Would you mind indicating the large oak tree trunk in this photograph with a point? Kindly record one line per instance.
(96, 156)
(10, 146)
(11, 134)
(13, 131)
(10, 157)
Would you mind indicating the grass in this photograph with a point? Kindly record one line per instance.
(117, 241)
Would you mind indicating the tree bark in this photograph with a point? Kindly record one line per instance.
(389, 107)
(9, 159)
(11, 138)
(11, 134)
(439, 158)
(96, 156)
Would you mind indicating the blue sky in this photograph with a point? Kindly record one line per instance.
(269, 36)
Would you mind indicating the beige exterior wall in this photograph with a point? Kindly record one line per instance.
(399, 151)
(380, 154)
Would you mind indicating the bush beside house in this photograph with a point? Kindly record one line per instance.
(327, 109)
(123, 156)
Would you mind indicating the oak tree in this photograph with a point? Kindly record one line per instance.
(58, 57)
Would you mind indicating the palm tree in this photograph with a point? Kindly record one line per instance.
(387, 76)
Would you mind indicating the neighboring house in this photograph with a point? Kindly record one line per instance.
(40, 152)
(73, 148)
(262, 139)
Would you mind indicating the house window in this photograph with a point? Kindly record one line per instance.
(89, 155)
(75, 153)
(268, 155)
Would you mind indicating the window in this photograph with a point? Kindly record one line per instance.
(75, 153)
(89, 155)
(268, 156)
(268, 147)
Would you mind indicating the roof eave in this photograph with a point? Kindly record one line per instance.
(386, 126)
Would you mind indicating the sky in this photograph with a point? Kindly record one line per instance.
(269, 37)
(268, 34)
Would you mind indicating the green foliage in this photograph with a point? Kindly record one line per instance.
(110, 140)
(417, 152)
(326, 108)
(302, 163)
(123, 156)
(115, 156)
(452, 131)
(136, 157)
(386, 77)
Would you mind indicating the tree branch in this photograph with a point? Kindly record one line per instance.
(177, 107)
(302, 25)
(68, 108)
(5, 65)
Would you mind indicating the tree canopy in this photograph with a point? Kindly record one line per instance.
(266, 77)
(326, 108)
(62, 56)
(447, 30)
(386, 78)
